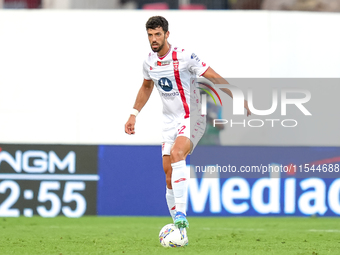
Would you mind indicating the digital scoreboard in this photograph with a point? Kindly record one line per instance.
(48, 180)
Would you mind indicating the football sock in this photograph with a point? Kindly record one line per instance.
(182, 207)
(170, 200)
(179, 182)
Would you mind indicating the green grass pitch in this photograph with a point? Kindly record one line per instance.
(139, 235)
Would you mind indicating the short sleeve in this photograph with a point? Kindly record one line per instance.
(146, 71)
(196, 65)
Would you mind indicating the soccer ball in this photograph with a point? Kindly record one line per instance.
(172, 236)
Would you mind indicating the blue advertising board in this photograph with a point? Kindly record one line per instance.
(52, 180)
(132, 182)
(256, 181)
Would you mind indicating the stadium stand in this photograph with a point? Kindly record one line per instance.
(156, 6)
(192, 7)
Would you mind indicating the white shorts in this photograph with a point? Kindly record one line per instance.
(183, 129)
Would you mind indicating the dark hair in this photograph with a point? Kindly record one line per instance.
(157, 21)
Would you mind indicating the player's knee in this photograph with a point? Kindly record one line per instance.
(177, 155)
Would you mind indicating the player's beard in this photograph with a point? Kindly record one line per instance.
(160, 47)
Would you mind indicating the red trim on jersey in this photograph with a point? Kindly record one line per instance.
(161, 58)
(179, 85)
(205, 71)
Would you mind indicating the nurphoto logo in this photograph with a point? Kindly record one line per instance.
(238, 104)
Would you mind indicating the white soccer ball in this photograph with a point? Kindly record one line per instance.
(171, 236)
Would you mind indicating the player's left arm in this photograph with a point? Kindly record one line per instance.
(215, 78)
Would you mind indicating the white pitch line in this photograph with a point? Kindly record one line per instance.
(260, 229)
(324, 230)
(237, 229)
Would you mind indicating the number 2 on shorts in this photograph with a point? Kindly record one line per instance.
(181, 130)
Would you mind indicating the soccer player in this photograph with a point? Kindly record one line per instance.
(171, 70)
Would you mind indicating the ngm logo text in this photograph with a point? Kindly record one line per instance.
(37, 161)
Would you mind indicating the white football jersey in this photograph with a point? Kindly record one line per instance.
(172, 75)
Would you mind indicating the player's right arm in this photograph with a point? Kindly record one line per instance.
(142, 97)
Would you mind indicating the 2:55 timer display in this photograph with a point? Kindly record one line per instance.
(45, 198)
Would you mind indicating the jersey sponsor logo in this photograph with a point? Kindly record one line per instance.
(162, 63)
(204, 64)
(171, 94)
(165, 84)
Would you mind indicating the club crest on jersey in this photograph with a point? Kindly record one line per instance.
(165, 84)
(176, 64)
